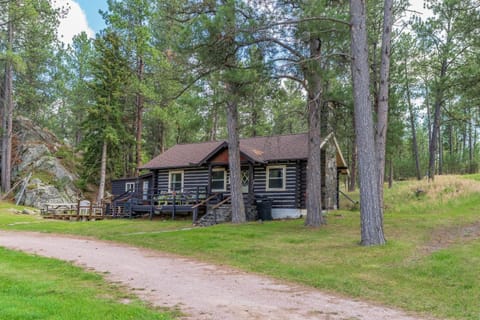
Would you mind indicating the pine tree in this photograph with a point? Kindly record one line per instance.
(28, 28)
(104, 126)
(131, 19)
(371, 213)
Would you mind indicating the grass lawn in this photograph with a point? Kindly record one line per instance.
(431, 263)
(33, 287)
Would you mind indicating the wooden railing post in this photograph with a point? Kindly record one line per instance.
(152, 203)
(174, 205)
(195, 210)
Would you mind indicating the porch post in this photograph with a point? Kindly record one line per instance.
(209, 186)
(338, 190)
(155, 190)
(251, 195)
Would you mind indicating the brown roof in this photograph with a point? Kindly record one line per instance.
(183, 155)
(258, 149)
(286, 147)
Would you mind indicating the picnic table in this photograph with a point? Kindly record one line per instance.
(82, 210)
(60, 208)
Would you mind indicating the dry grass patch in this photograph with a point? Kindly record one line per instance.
(445, 188)
(413, 196)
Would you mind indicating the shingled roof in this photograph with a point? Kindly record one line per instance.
(285, 147)
(258, 149)
(183, 155)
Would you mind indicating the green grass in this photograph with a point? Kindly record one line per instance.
(442, 283)
(33, 287)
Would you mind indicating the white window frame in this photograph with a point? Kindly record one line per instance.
(224, 180)
(146, 190)
(130, 186)
(170, 173)
(245, 189)
(284, 178)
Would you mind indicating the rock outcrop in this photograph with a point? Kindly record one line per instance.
(41, 153)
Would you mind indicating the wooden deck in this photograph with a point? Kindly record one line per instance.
(74, 217)
(132, 205)
(75, 211)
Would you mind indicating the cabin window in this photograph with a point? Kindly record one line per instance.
(276, 178)
(130, 186)
(175, 181)
(145, 190)
(245, 181)
(219, 180)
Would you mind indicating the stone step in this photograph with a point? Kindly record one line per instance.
(224, 214)
(214, 216)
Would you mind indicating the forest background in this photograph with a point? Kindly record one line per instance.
(161, 73)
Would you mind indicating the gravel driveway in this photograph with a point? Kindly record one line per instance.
(200, 290)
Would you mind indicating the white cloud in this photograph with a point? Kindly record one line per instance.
(418, 8)
(73, 23)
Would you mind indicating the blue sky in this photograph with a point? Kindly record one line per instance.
(91, 8)
(82, 16)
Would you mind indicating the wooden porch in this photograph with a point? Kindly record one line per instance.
(172, 204)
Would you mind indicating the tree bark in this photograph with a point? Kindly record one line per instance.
(390, 175)
(7, 120)
(238, 206)
(450, 140)
(433, 148)
(440, 152)
(429, 117)
(382, 102)
(103, 173)
(214, 127)
(470, 148)
(412, 124)
(314, 216)
(352, 182)
(370, 210)
(353, 161)
(139, 102)
(232, 86)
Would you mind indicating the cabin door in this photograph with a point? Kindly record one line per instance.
(245, 181)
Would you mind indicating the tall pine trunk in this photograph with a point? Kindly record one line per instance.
(139, 102)
(390, 174)
(232, 85)
(238, 206)
(440, 152)
(7, 120)
(103, 173)
(433, 148)
(412, 124)
(382, 102)
(370, 210)
(314, 177)
(214, 119)
(470, 148)
(352, 182)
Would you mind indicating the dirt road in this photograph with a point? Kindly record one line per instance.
(200, 290)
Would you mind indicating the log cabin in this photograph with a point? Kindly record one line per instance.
(274, 170)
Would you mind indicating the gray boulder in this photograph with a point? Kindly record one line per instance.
(52, 182)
